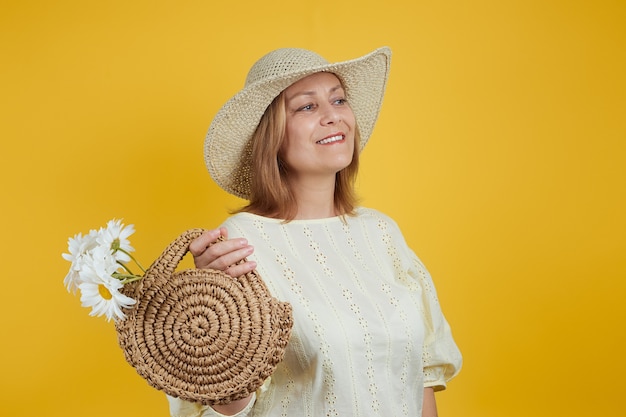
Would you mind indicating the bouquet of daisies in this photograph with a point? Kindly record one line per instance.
(100, 268)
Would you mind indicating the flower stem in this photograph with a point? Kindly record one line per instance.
(134, 260)
(126, 278)
(131, 279)
(126, 268)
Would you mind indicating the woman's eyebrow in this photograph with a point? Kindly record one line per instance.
(335, 88)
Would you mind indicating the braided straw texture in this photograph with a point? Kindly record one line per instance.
(199, 334)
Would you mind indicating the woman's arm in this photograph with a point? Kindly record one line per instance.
(429, 408)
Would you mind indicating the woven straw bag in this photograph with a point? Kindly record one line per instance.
(199, 334)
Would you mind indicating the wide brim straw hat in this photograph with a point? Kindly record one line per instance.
(227, 148)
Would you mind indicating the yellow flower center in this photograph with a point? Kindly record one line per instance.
(104, 292)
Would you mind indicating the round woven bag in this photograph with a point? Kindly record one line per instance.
(199, 334)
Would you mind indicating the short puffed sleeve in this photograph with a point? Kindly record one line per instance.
(441, 357)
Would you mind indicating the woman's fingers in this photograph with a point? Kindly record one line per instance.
(200, 244)
(240, 269)
(222, 255)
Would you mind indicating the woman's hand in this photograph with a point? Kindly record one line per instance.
(209, 253)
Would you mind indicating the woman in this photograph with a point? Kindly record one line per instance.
(369, 338)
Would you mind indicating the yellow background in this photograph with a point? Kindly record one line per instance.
(500, 151)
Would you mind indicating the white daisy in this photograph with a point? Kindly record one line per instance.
(100, 291)
(99, 262)
(115, 236)
(98, 269)
(79, 247)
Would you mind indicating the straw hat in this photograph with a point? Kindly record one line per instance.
(227, 150)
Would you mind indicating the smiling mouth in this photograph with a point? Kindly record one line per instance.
(331, 139)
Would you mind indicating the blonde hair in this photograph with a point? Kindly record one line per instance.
(270, 192)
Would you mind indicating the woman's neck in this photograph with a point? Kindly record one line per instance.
(315, 200)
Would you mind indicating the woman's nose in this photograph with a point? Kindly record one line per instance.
(330, 115)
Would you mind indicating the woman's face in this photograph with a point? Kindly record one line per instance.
(320, 128)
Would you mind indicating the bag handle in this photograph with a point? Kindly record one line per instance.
(165, 265)
(168, 261)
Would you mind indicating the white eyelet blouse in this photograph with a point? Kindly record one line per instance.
(368, 332)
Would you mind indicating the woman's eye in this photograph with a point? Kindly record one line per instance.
(306, 108)
(341, 101)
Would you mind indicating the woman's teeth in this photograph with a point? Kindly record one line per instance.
(330, 140)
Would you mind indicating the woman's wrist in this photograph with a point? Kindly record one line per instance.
(234, 407)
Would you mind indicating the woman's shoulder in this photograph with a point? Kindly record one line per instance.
(367, 213)
(246, 217)
(252, 226)
(375, 218)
